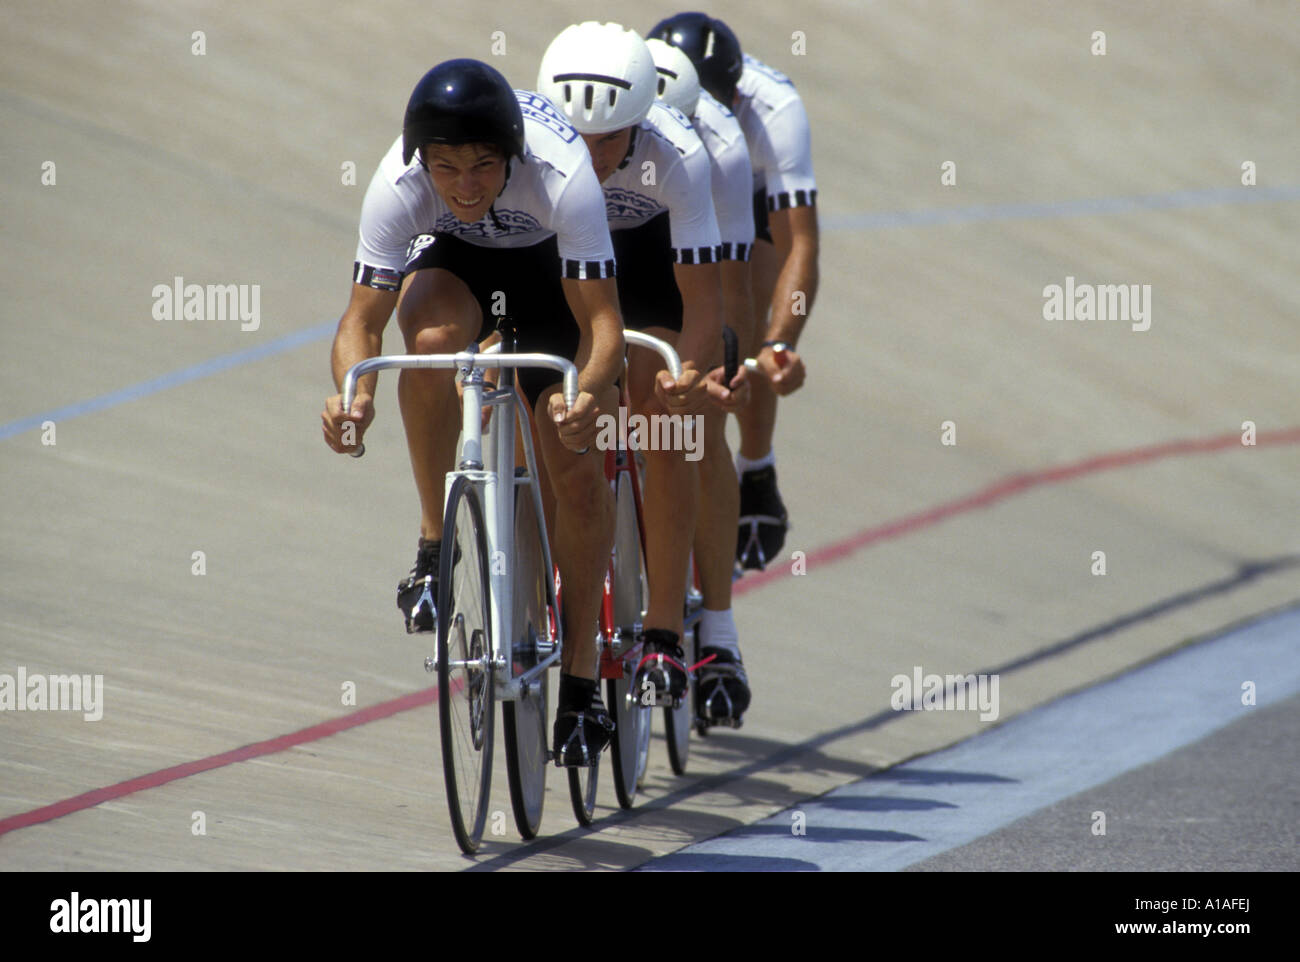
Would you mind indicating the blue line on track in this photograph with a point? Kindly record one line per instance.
(144, 388)
(1178, 200)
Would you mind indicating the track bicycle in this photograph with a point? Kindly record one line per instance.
(494, 512)
(498, 630)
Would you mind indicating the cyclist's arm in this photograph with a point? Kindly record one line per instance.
(687, 192)
(594, 303)
(699, 285)
(361, 334)
(795, 236)
(737, 298)
(792, 220)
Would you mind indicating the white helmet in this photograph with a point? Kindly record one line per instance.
(600, 75)
(679, 84)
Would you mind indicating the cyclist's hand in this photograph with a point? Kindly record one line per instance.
(577, 428)
(687, 395)
(343, 429)
(731, 398)
(783, 368)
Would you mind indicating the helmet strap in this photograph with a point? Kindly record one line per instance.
(631, 146)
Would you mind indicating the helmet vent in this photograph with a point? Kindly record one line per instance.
(613, 95)
(587, 96)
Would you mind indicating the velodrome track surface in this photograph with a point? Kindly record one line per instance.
(173, 437)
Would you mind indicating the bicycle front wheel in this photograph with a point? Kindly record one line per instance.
(582, 791)
(525, 719)
(465, 676)
(631, 744)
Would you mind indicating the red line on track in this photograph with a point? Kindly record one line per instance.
(836, 551)
(268, 747)
(999, 490)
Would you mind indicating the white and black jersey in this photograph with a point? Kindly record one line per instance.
(732, 176)
(553, 192)
(666, 169)
(776, 129)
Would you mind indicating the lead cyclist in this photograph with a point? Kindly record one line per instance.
(489, 194)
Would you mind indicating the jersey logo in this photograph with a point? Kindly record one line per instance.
(418, 243)
(539, 109)
(621, 204)
(511, 221)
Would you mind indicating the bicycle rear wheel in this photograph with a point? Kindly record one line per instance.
(465, 676)
(631, 744)
(525, 719)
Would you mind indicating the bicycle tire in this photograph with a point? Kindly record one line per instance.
(679, 721)
(524, 720)
(583, 781)
(465, 692)
(631, 743)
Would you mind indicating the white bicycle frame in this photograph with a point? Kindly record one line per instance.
(492, 471)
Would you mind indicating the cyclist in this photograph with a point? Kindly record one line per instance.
(487, 200)
(784, 259)
(723, 686)
(656, 180)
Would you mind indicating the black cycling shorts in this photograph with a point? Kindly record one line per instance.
(647, 288)
(760, 216)
(534, 301)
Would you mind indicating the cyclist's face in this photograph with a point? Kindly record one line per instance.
(608, 150)
(468, 177)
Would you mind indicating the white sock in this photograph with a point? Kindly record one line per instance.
(718, 630)
(743, 463)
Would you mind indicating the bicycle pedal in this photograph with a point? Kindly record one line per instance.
(707, 723)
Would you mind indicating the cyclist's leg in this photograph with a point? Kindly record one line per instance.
(723, 692)
(438, 314)
(583, 535)
(759, 541)
(648, 295)
(719, 509)
(582, 517)
(758, 418)
(582, 538)
(669, 496)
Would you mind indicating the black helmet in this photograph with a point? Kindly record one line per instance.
(712, 47)
(463, 102)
